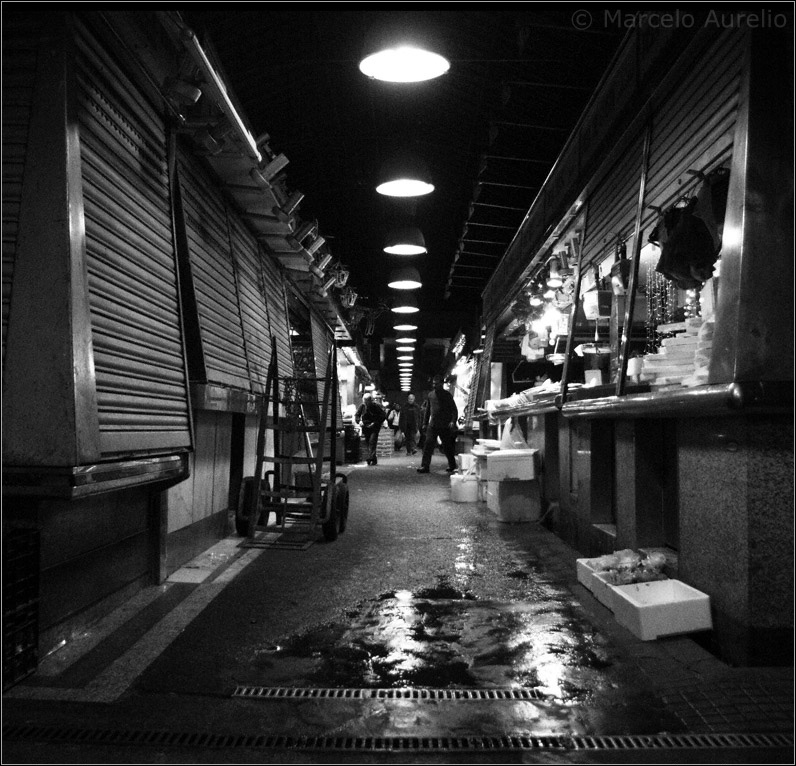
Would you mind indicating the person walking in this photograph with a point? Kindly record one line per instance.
(370, 416)
(409, 423)
(440, 421)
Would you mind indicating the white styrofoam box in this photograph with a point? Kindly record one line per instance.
(464, 489)
(512, 465)
(465, 461)
(514, 501)
(586, 572)
(661, 608)
(603, 590)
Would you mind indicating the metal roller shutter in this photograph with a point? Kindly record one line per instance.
(254, 312)
(19, 75)
(693, 126)
(214, 278)
(136, 329)
(469, 412)
(277, 313)
(485, 378)
(322, 341)
(612, 205)
(480, 382)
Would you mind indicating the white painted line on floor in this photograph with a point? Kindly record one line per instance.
(109, 685)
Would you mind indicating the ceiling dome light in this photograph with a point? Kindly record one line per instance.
(406, 240)
(405, 357)
(404, 328)
(404, 348)
(404, 64)
(404, 176)
(406, 304)
(405, 278)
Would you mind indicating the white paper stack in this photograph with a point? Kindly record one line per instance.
(702, 353)
(675, 361)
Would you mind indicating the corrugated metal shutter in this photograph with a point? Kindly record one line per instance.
(214, 279)
(136, 330)
(481, 377)
(485, 378)
(277, 313)
(693, 126)
(20, 43)
(254, 312)
(472, 399)
(612, 205)
(322, 341)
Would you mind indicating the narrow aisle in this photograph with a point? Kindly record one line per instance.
(425, 618)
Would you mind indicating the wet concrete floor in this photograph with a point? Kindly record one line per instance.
(418, 593)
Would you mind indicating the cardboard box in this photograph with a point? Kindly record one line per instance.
(661, 608)
(514, 501)
(511, 465)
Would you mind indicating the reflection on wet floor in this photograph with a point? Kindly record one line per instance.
(444, 637)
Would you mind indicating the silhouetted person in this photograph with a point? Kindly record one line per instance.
(370, 416)
(409, 422)
(440, 421)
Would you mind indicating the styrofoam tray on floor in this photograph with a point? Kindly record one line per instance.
(603, 590)
(661, 608)
(586, 572)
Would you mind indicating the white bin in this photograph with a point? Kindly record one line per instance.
(661, 608)
(514, 501)
(511, 465)
(464, 489)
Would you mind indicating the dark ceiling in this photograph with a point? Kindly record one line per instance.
(489, 130)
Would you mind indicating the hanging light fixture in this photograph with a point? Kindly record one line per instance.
(405, 278)
(406, 304)
(404, 176)
(406, 340)
(403, 61)
(404, 348)
(405, 240)
(404, 327)
(348, 297)
(340, 274)
(554, 278)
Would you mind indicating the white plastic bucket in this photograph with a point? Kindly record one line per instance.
(464, 489)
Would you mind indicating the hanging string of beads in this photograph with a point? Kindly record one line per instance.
(661, 308)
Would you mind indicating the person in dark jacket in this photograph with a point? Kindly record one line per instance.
(440, 421)
(370, 416)
(409, 423)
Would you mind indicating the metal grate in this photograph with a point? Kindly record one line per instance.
(281, 692)
(392, 744)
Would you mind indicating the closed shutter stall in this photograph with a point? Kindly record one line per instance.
(213, 274)
(321, 345)
(472, 398)
(277, 314)
(254, 311)
(20, 42)
(485, 379)
(693, 125)
(136, 329)
(612, 205)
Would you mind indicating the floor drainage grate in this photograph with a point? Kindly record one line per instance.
(392, 744)
(282, 692)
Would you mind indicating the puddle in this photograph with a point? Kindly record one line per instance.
(441, 636)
